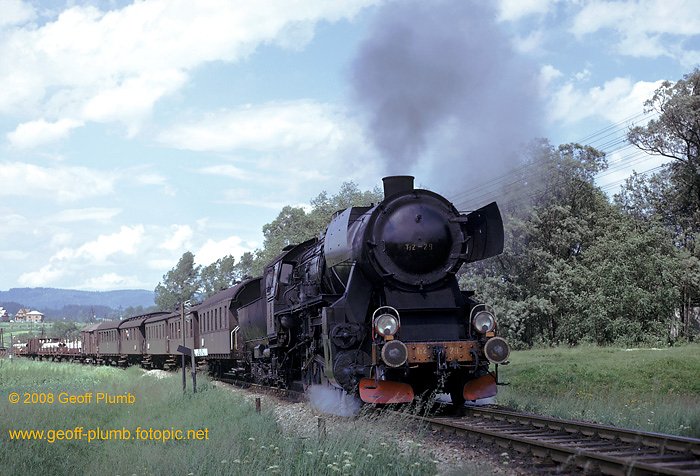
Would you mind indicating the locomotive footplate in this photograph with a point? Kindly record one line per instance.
(421, 352)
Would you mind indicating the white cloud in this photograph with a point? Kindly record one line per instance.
(45, 276)
(15, 12)
(64, 183)
(512, 10)
(617, 100)
(104, 246)
(14, 255)
(548, 73)
(84, 214)
(111, 281)
(314, 141)
(532, 43)
(232, 171)
(150, 179)
(248, 198)
(292, 126)
(37, 133)
(646, 28)
(294, 145)
(214, 250)
(114, 66)
(180, 237)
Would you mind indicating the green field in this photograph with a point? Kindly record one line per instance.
(22, 330)
(238, 440)
(647, 389)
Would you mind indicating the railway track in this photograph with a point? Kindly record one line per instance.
(592, 448)
(588, 448)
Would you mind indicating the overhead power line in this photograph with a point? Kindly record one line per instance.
(612, 140)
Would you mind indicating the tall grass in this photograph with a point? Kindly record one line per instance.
(240, 441)
(646, 389)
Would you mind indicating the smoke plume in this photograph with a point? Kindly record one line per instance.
(442, 91)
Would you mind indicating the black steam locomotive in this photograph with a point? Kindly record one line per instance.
(373, 308)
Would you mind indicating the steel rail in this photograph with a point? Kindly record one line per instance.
(592, 447)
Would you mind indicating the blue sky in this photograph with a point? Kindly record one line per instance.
(133, 132)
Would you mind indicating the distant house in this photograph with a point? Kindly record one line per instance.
(21, 314)
(4, 315)
(25, 315)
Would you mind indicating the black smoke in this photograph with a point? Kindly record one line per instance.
(440, 88)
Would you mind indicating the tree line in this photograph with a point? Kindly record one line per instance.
(577, 267)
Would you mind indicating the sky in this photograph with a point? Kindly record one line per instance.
(132, 132)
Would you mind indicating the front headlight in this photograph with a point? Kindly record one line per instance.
(386, 325)
(484, 322)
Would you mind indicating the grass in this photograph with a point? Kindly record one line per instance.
(646, 389)
(240, 441)
(655, 390)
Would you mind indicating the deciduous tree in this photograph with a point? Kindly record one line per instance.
(179, 284)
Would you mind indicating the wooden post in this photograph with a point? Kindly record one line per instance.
(321, 427)
(182, 331)
(257, 404)
(194, 373)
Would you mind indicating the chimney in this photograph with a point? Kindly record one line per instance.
(397, 184)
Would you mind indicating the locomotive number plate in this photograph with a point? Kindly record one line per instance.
(423, 351)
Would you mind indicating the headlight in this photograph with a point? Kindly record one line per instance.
(484, 322)
(386, 325)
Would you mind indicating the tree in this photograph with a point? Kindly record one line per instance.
(131, 311)
(291, 226)
(179, 284)
(548, 223)
(64, 330)
(672, 197)
(244, 267)
(576, 268)
(221, 274)
(294, 225)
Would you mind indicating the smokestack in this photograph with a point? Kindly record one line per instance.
(396, 184)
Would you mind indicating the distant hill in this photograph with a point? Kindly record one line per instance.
(44, 299)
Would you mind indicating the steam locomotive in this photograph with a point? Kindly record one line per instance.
(373, 308)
